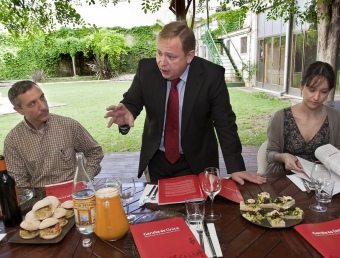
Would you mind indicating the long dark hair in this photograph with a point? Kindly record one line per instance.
(318, 70)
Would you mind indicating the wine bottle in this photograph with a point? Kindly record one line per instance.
(9, 198)
(84, 199)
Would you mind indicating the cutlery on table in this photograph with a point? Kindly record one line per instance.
(147, 196)
(153, 197)
(34, 193)
(199, 230)
(305, 184)
(207, 233)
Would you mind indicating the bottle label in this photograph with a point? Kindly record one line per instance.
(84, 211)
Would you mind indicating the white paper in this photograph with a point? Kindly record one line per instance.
(214, 239)
(147, 190)
(297, 181)
(330, 157)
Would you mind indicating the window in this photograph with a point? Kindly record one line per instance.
(244, 46)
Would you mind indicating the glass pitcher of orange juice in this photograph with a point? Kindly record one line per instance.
(111, 222)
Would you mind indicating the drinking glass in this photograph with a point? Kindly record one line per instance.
(319, 176)
(325, 194)
(195, 210)
(128, 190)
(211, 185)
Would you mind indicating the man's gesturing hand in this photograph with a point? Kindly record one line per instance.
(120, 115)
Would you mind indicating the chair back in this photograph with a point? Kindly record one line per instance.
(147, 174)
(261, 159)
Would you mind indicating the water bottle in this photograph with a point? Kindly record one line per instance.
(83, 198)
(9, 197)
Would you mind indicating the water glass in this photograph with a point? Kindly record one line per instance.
(195, 211)
(325, 192)
(319, 175)
(128, 190)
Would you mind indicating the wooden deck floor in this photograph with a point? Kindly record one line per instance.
(117, 164)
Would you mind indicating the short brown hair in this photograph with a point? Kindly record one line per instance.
(18, 88)
(179, 29)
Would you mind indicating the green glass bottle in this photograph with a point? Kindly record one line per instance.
(9, 200)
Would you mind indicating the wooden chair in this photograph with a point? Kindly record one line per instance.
(261, 159)
(147, 175)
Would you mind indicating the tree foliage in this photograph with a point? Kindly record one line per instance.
(231, 20)
(28, 17)
(22, 17)
(116, 49)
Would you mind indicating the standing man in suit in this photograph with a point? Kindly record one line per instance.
(203, 106)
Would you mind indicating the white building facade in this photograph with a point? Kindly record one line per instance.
(274, 52)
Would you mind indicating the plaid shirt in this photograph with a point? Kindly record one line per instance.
(36, 158)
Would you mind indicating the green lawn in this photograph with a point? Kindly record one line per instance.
(86, 102)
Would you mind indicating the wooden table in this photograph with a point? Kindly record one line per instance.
(238, 237)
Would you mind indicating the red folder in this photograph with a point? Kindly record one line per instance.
(63, 190)
(166, 238)
(324, 237)
(178, 189)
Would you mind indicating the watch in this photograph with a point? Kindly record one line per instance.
(124, 129)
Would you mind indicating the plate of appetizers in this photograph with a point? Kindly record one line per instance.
(48, 222)
(265, 211)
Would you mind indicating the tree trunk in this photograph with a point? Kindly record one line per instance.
(180, 10)
(74, 66)
(207, 6)
(329, 34)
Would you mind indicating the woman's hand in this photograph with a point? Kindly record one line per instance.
(292, 163)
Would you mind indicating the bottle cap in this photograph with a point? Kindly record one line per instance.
(87, 242)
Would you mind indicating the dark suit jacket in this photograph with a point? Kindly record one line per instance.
(206, 106)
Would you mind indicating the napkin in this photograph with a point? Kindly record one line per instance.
(297, 181)
(147, 190)
(214, 239)
(2, 236)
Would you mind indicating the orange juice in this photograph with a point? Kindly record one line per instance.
(111, 222)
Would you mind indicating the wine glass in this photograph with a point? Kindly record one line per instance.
(211, 185)
(128, 190)
(319, 174)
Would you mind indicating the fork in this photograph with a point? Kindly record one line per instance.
(199, 230)
(154, 194)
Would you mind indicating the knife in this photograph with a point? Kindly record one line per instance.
(305, 185)
(206, 232)
(147, 196)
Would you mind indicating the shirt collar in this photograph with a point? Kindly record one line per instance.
(184, 76)
(30, 126)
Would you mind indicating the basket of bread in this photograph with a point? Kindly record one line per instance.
(270, 212)
(47, 219)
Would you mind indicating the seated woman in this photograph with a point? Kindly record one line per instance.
(300, 129)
